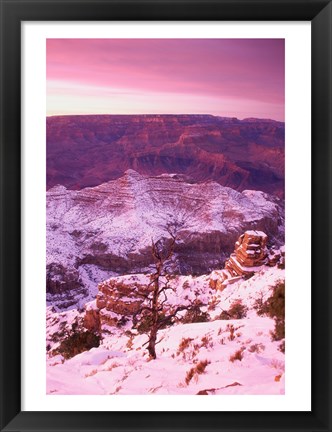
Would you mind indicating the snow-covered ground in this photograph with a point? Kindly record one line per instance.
(214, 357)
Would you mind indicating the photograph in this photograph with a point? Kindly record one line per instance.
(165, 216)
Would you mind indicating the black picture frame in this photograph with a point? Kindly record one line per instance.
(13, 12)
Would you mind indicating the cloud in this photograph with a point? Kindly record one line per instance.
(239, 71)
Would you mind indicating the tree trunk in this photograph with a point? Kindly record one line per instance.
(154, 324)
(152, 342)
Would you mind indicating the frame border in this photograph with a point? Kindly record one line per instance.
(12, 12)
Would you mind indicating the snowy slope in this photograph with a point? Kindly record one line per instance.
(191, 358)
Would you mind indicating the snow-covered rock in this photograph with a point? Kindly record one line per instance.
(95, 233)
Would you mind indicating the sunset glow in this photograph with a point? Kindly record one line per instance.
(227, 77)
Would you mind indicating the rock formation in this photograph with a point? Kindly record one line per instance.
(249, 256)
(84, 151)
(95, 233)
(118, 298)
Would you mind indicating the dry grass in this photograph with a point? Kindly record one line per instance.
(130, 342)
(231, 330)
(258, 348)
(90, 374)
(184, 344)
(113, 365)
(197, 370)
(206, 342)
(238, 355)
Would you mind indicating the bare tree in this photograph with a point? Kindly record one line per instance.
(155, 309)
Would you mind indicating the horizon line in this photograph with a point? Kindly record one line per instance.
(165, 114)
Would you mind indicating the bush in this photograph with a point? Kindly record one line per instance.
(238, 355)
(276, 310)
(258, 348)
(145, 323)
(261, 307)
(274, 307)
(77, 343)
(237, 310)
(282, 347)
(195, 315)
(279, 330)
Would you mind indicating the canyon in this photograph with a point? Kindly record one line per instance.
(85, 151)
(98, 232)
(208, 193)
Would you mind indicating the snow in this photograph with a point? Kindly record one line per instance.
(256, 233)
(94, 357)
(120, 365)
(110, 372)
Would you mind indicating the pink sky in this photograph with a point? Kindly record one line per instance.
(227, 77)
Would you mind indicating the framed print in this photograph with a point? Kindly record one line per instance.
(165, 215)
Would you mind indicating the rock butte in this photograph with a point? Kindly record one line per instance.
(249, 256)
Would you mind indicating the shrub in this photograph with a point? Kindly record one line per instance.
(195, 315)
(258, 348)
(184, 344)
(200, 367)
(276, 305)
(282, 347)
(279, 330)
(231, 330)
(145, 323)
(276, 302)
(195, 371)
(261, 306)
(206, 341)
(189, 376)
(224, 315)
(237, 310)
(238, 355)
(77, 343)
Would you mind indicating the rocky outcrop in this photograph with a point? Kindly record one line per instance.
(118, 300)
(120, 296)
(60, 279)
(250, 255)
(241, 154)
(91, 319)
